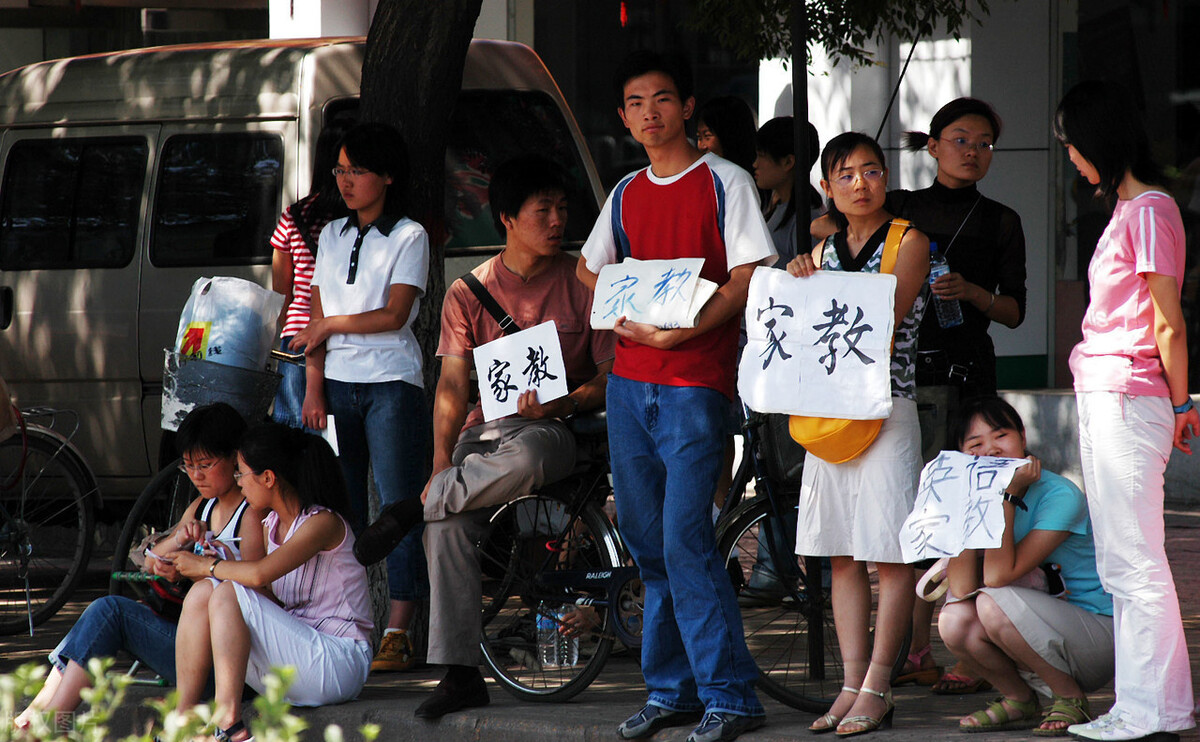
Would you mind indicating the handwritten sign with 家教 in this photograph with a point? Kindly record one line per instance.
(663, 293)
(513, 364)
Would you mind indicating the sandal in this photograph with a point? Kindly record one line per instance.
(1068, 710)
(998, 716)
(953, 684)
(919, 675)
(226, 735)
(830, 722)
(866, 723)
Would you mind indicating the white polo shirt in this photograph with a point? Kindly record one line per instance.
(392, 252)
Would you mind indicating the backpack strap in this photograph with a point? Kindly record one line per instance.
(891, 245)
(503, 318)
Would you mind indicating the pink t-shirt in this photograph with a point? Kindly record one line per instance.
(329, 591)
(1118, 352)
(554, 294)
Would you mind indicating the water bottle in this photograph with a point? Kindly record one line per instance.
(568, 646)
(949, 311)
(547, 636)
(555, 649)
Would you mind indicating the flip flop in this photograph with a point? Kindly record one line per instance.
(919, 676)
(965, 685)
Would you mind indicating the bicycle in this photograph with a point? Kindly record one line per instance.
(48, 496)
(550, 548)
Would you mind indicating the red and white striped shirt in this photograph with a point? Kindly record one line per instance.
(287, 239)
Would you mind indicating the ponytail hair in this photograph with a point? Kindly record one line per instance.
(915, 141)
(1101, 120)
(304, 461)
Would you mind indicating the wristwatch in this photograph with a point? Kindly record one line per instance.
(1017, 501)
(574, 407)
(1187, 405)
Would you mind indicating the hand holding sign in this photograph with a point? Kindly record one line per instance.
(527, 360)
(664, 293)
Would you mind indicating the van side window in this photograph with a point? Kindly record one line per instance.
(218, 199)
(72, 203)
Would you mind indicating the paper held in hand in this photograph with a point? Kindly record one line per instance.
(514, 364)
(665, 293)
(959, 506)
(819, 346)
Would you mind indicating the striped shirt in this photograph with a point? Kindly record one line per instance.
(287, 239)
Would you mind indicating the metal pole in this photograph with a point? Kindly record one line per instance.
(800, 121)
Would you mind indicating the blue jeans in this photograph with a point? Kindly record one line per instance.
(666, 444)
(112, 624)
(385, 426)
(289, 399)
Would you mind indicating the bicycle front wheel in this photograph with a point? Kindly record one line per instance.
(46, 520)
(789, 631)
(526, 539)
(159, 507)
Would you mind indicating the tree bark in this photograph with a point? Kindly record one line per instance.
(411, 77)
(412, 73)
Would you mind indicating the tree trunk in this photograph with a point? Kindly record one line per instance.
(412, 73)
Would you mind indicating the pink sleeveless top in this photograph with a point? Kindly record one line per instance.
(329, 591)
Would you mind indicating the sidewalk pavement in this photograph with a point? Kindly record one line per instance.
(389, 700)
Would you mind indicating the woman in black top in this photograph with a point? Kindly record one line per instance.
(980, 238)
(983, 242)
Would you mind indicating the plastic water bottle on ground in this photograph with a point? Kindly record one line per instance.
(555, 649)
(949, 311)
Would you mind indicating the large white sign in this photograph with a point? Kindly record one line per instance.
(959, 506)
(663, 293)
(820, 345)
(514, 364)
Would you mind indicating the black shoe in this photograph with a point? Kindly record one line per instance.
(652, 718)
(395, 521)
(722, 727)
(450, 696)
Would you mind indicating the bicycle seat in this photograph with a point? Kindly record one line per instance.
(593, 423)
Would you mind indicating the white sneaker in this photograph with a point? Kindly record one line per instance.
(1112, 727)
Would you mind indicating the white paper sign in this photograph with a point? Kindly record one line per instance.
(513, 364)
(819, 345)
(959, 506)
(663, 293)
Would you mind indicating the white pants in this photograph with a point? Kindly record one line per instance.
(329, 669)
(1124, 442)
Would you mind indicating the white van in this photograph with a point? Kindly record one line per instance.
(126, 176)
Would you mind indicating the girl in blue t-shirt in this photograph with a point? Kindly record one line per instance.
(1007, 627)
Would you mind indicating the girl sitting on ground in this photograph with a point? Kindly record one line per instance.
(1021, 639)
(305, 604)
(207, 440)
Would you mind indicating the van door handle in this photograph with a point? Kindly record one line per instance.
(6, 307)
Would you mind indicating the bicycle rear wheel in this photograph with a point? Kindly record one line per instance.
(46, 523)
(160, 506)
(526, 538)
(789, 632)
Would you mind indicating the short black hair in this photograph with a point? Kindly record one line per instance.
(915, 141)
(380, 148)
(519, 179)
(994, 411)
(732, 121)
(214, 429)
(645, 61)
(1101, 120)
(835, 153)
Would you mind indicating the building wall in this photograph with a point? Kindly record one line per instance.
(1010, 61)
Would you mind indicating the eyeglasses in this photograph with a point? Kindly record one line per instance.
(187, 468)
(962, 143)
(238, 474)
(353, 172)
(869, 176)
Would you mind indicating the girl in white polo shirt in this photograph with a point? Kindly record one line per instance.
(364, 362)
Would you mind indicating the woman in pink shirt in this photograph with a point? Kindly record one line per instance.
(304, 605)
(1130, 371)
